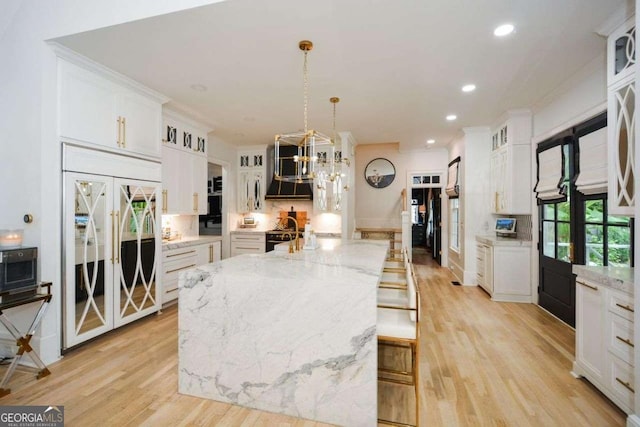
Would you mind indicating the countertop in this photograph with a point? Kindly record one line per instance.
(285, 333)
(493, 240)
(190, 241)
(620, 278)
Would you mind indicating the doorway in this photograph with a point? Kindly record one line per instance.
(574, 224)
(211, 223)
(426, 214)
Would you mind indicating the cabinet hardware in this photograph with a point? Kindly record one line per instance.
(118, 241)
(626, 385)
(210, 253)
(164, 201)
(571, 250)
(625, 340)
(119, 131)
(113, 233)
(496, 201)
(178, 269)
(181, 253)
(124, 132)
(251, 249)
(195, 202)
(595, 288)
(625, 307)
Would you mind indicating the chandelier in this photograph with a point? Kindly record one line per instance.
(303, 144)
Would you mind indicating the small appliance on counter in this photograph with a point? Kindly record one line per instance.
(18, 272)
(248, 222)
(506, 227)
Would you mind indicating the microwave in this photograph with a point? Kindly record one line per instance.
(18, 270)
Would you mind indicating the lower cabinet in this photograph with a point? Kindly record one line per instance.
(247, 242)
(173, 262)
(503, 269)
(604, 341)
(208, 253)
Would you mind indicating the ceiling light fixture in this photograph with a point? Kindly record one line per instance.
(503, 30)
(306, 141)
(469, 88)
(431, 141)
(451, 117)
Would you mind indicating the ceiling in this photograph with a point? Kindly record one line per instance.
(397, 66)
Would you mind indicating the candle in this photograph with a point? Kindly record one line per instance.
(10, 238)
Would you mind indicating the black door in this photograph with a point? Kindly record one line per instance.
(436, 235)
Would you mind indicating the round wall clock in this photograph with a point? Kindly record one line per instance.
(379, 173)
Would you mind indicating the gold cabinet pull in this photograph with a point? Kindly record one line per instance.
(118, 241)
(119, 120)
(626, 385)
(625, 307)
(595, 288)
(195, 202)
(113, 235)
(164, 201)
(210, 253)
(181, 253)
(625, 340)
(178, 269)
(124, 132)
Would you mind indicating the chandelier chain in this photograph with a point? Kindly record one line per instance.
(306, 90)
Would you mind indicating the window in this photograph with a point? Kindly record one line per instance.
(607, 239)
(454, 225)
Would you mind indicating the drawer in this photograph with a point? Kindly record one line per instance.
(248, 237)
(621, 382)
(178, 254)
(621, 304)
(620, 338)
(170, 295)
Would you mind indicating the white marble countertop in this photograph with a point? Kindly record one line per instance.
(620, 278)
(190, 241)
(286, 333)
(493, 240)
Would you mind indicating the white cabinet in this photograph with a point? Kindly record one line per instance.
(590, 333)
(604, 341)
(484, 259)
(111, 234)
(621, 118)
(252, 179)
(208, 253)
(97, 108)
(184, 166)
(173, 262)
(247, 242)
(511, 165)
(504, 268)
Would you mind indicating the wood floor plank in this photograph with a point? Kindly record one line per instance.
(482, 364)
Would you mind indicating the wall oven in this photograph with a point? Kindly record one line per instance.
(18, 270)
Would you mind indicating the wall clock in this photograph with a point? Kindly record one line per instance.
(379, 173)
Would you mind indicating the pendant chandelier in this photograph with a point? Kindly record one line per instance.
(306, 142)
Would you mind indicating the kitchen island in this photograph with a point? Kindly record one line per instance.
(286, 333)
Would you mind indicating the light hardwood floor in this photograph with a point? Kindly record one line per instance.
(482, 363)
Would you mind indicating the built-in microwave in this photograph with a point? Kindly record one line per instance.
(18, 270)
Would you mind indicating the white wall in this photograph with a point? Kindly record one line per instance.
(30, 150)
(381, 207)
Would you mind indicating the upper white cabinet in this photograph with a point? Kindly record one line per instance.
(621, 94)
(184, 166)
(252, 182)
(511, 165)
(99, 107)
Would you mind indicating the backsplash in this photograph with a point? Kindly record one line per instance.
(524, 227)
(185, 225)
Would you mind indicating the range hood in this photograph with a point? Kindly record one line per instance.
(282, 190)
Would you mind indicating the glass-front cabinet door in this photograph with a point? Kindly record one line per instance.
(137, 238)
(88, 309)
(112, 242)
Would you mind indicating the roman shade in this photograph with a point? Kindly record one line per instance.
(453, 188)
(592, 178)
(550, 184)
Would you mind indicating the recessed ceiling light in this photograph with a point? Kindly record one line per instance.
(503, 30)
(468, 88)
(198, 87)
(451, 117)
(431, 141)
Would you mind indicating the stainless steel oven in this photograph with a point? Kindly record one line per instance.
(274, 237)
(18, 270)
